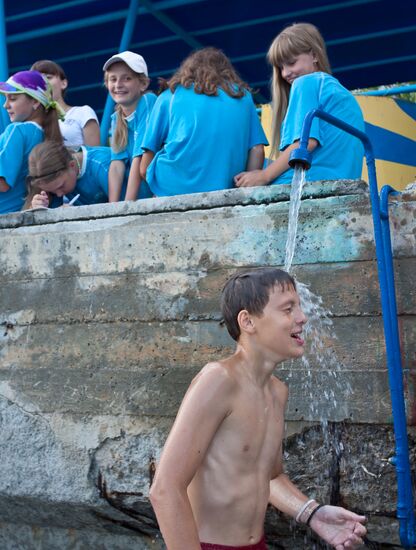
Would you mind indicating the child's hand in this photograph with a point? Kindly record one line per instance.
(250, 179)
(40, 201)
(339, 527)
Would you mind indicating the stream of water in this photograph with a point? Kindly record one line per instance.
(322, 384)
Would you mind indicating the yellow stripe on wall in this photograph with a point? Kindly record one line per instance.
(391, 173)
(266, 122)
(385, 113)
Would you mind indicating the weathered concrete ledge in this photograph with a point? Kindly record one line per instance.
(182, 203)
(106, 313)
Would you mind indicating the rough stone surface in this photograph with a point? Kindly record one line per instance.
(108, 311)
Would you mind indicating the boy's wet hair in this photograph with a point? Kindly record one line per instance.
(250, 290)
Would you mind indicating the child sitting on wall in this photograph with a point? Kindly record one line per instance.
(80, 126)
(203, 129)
(126, 78)
(34, 117)
(302, 81)
(56, 172)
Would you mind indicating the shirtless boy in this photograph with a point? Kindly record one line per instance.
(222, 462)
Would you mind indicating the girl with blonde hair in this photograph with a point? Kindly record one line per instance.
(34, 117)
(302, 81)
(203, 129)
(126, 78)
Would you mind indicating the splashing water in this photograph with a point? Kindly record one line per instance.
(320, 361)
(320, 381)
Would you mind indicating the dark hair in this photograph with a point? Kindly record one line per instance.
(250, 290)
(46, 66)
(207, 70)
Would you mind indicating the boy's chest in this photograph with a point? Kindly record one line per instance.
(256, 431)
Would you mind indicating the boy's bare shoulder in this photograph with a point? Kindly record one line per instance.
(218, 376)
(280, 388)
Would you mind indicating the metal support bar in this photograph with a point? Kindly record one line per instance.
(407, 89)
(124, 43)
(401, 459)
(4, 69)
(405, 512)
(171, 25)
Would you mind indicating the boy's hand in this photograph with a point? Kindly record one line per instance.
(40, 201)
(339, 527)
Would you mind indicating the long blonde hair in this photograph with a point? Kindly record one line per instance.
(120, 137)
(292, 41)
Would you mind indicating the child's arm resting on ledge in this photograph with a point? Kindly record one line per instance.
(147, 158)
(273, 171)
(4, 187)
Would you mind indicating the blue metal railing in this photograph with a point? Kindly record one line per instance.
(379, 207)
(401, 460)
(4, 68)
(406, 89)
(124, 44)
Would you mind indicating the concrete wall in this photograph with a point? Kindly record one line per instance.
(108, 311)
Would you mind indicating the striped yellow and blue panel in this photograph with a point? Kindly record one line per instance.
(391, 126)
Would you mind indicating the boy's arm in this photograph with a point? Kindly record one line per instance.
(335, 525)
(115, 180)
(205, 406)
(133, 183)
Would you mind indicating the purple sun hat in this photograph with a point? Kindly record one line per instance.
(31, 83)
(35, 85)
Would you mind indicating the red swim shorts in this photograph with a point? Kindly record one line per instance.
(261, 545)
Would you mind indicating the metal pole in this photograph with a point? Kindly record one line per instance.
(4, 68)
(125, 41)
(405, 512)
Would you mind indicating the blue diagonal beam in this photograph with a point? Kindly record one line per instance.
(89, 21)
(124, 44)
(374, 63)
(283, 16)
(166, 39)
(121, 14)
(4, 69)
(171, 25)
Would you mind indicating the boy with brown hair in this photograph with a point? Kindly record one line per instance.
(222, 462)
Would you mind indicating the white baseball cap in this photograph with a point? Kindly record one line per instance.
(133, 60)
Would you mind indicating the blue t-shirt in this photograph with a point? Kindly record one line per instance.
(136, 127)
(92, 182)
(200, 142)
(339, 155)
(16, 143)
